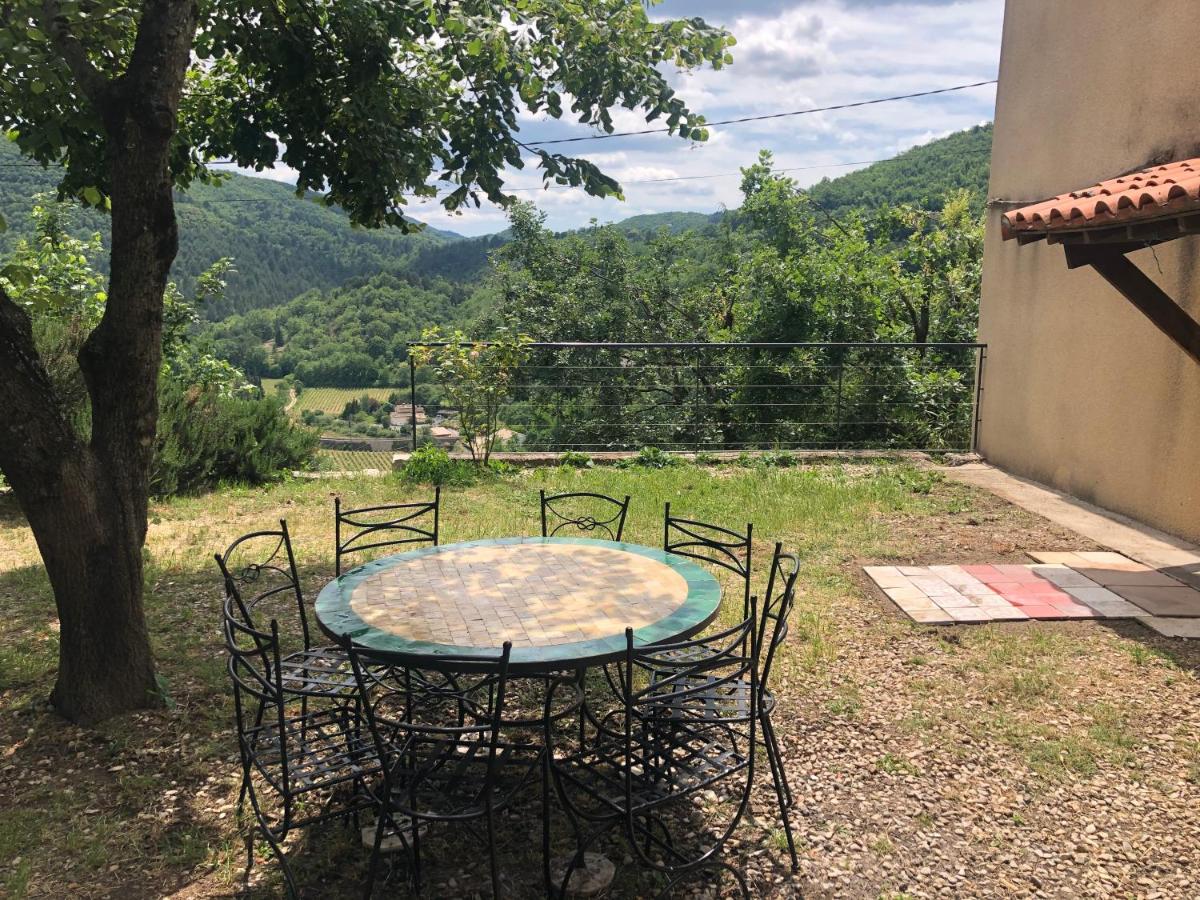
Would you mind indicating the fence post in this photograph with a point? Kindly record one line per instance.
(837, 435)
(980, 358)
(412, 396)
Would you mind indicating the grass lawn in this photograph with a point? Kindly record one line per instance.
(1031, 759)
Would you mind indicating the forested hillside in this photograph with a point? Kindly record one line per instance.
(349, 336)
(922, 176)
(282, 245)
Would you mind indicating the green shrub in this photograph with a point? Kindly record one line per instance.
(205, 440)
(575, 460)
(917, 480)
(654, 458)
(778, 459)
(502, 469)
(432, 465)
(704, 458)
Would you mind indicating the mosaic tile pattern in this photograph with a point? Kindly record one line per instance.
(683, 595)
(1059, 586)
(534, 595)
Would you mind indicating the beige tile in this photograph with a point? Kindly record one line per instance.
(1062, 558)
(930, 617)
(906, 593)
(969, 615)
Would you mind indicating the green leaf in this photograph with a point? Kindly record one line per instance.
(92, 196)
(474, 47)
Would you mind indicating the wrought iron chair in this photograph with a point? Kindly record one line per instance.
(560, 511)
(713, 544)
(291, 754)
(684, 726)
(772, 631)
(448, 757)
(394, 525)
(260, 575)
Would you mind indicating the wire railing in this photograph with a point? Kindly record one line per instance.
(709, 397)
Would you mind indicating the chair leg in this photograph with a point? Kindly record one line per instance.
(491, 836)
(376, 846)
(769, 731)
(546, 876)
(290, 881)
(778, 778)
(416, 853)
(720, 865)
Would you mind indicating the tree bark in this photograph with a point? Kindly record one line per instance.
(87, 503)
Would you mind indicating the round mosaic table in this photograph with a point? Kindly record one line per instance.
(563, 602)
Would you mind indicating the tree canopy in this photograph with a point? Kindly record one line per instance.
(366, 101)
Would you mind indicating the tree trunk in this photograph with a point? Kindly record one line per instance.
(87, 503)
(92, 549)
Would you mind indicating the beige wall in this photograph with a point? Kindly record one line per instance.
(1081, 391)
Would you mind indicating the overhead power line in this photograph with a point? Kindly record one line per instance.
(762, 118)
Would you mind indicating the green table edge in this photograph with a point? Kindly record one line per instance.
(339, 621)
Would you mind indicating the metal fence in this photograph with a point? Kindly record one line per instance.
(707, 397)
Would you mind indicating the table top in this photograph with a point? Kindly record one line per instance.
(563, 602)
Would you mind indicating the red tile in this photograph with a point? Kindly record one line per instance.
(986, 574)
(1018, 573)
(1041, 612)
(1005, 587)
(1046, 588)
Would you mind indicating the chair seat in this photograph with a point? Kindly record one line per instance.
(667, 767)
(318, 672)
(324, 749)
(709, 698)
(445, 778)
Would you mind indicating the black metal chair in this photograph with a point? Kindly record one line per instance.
(395, 524)
(448, 755)
(684, 726)
(713, 544)
(260, 575)
(561, 511)
(781, 598)
(300, 765)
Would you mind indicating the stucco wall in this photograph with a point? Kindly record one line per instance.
(1081, 391)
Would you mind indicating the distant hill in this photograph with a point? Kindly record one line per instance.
(283, 245)
(921, 176)
(674, 222)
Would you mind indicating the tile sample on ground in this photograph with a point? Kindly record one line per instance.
(1060, 585)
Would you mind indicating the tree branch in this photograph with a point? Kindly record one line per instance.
(95, 86)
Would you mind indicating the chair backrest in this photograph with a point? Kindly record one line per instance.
(697, 695)
(260, 576)
(391, 525)
(258, 698)
(574, 511)
(711, 543)
(420, 723)
(776, 608)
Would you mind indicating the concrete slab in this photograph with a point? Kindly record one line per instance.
(1181, 602)
(1147, 545)
(1176, 628)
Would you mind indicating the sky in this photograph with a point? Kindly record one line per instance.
(790, 55)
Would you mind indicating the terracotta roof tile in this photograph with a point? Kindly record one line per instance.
(1157, 192)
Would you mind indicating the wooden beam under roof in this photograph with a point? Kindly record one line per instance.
(1139, 289)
